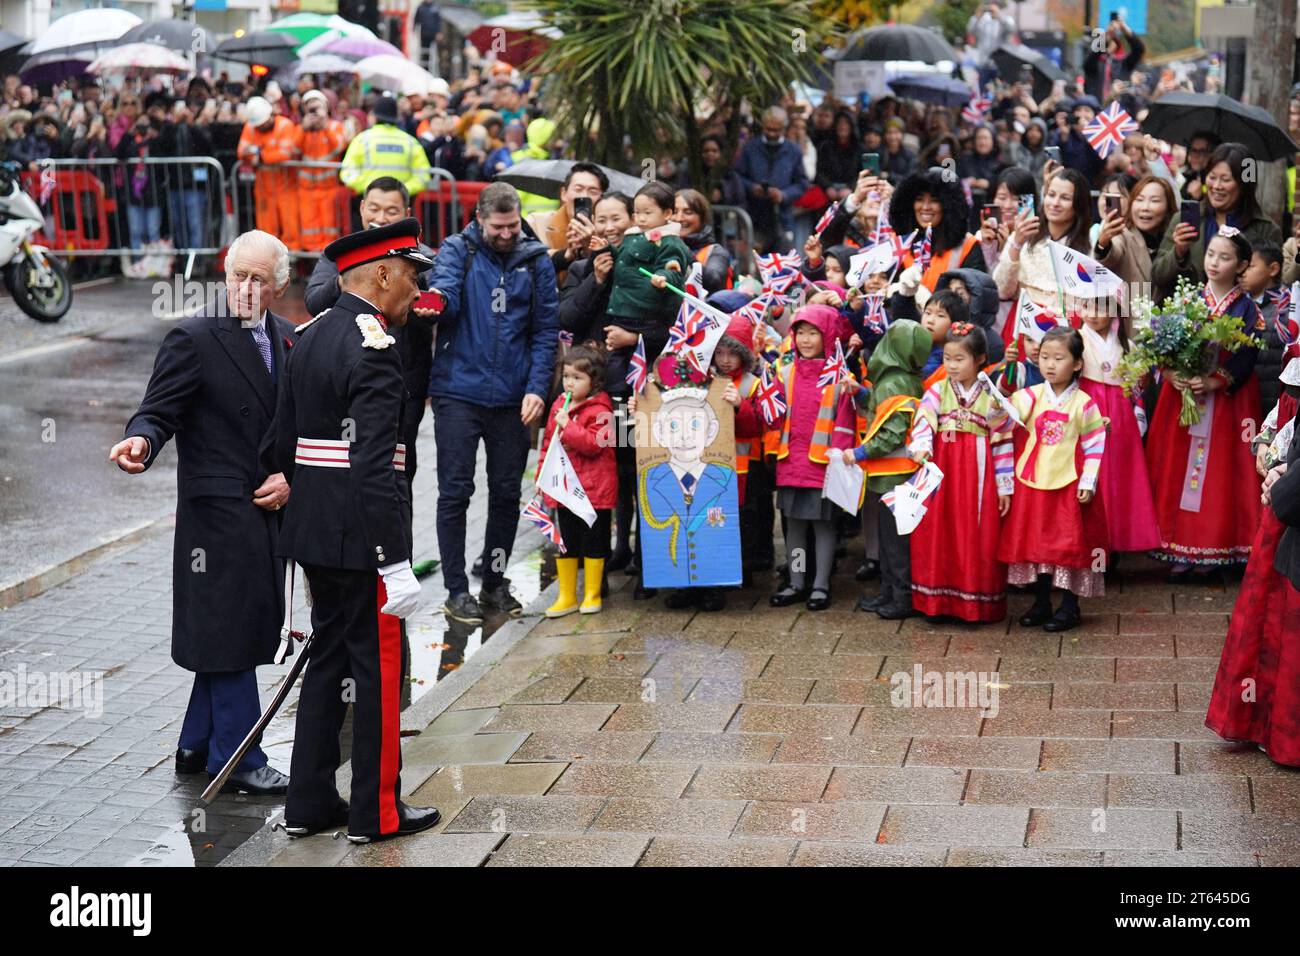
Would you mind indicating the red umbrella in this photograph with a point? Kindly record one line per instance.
(523, 35)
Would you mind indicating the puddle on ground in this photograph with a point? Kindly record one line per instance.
(204, 836)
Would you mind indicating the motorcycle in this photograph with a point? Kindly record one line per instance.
(36, 279)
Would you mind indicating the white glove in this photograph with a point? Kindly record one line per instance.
(909, 280)
(921, 297)
(403, 590)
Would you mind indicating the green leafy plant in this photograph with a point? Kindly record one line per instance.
(628, 81)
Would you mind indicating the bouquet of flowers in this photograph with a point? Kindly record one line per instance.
(1180, 337)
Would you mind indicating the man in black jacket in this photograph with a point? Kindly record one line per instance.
(338, 436)
(214, 387)
(386, 201)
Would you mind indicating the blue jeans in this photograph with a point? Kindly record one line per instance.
(144, 224)
(223, 709)
(187, 212)
(457, 429)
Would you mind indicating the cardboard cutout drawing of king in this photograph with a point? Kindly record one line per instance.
(686, 481)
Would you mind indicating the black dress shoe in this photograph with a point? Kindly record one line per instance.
(819, 600)
(339, 818)
(895, 612)
(409, 820)
(191, 761)
(1037, 616)
(867, 571)
(1065, 619)
(787, 596)
(713, 600)
(641, 593)
(618, 560)
(682, 598)
(263, 782)
(871, 603)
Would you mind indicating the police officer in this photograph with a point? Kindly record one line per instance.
(385, 150)
(349, 526)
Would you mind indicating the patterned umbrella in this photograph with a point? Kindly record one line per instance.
(144, 57)
(309, 27)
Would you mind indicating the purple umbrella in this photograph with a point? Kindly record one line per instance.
(356, 47)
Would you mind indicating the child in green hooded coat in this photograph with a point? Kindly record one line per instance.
(894, 372)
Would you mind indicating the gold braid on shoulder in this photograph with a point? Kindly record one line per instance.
(674, 522)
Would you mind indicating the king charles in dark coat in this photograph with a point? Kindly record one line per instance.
(214, 387)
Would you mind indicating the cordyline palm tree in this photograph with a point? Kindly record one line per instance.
(640, 71)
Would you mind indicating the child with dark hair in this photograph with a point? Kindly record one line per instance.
(942, 310)
(1055, 533)
(955, 568)
(582, 420)
(1203, 475)
(1263, 283)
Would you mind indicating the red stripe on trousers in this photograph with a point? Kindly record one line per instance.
(390, 675)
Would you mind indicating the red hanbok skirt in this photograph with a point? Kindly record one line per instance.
(1123, 483)
(955, 567)
(1261, 657)
(1052, 527)
(1221, 532)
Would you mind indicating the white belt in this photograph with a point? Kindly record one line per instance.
(333, 453)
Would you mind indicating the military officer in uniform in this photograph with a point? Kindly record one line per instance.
(338, 429)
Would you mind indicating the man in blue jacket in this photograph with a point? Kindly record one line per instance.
(771, 169)
(492, 371)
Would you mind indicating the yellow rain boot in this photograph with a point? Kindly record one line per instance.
(593, 572)
(566, 571)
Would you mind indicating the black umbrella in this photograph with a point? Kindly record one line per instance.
(1011, 58)
(268, 48)
(1177, 117)
(932, 88)
(897, 43)
(180, 35)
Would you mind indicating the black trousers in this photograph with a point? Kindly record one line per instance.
(757, 516)
(355, 658)
(581, 541)
(895, 559)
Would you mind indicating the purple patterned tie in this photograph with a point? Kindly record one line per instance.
(264, 346)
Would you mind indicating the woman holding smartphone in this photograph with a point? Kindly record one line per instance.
(1012, 185)
(1064, 216)
(1128, 240)
(1229, 201)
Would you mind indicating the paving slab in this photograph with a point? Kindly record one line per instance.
(530, 849)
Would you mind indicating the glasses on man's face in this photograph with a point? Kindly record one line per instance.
(1198, 151)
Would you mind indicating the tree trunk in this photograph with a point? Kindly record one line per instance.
(1272, 63)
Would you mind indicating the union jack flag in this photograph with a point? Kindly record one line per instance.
(755, 308)
(976, 109)
(1281, 298)
(535, 513)
(566, 338)
(836, 368)
(782, 282)
(776, 263)
(1106, 132)
(922, 252)
(639, 371)
(48, 183)
(826, 218)
(771, 403)
(1285, 322)
(875, 312)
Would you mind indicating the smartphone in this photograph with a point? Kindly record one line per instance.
(583, 206)
(1189, 211)
(871, 163)
(1025, 205)
(988, 212)
(1026, 73)
(1112, 204)
(944, 151)
(432, 299)
(1054, 154)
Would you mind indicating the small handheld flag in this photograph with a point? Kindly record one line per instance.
(638, 371)
(923, 253)
(836, 368)
(535, 513)
(826, 218)
(875, 312)
(1032, 320)
(771, 403)
(776, 262)
(1107, 131)
(1287, 324)
(976, 110)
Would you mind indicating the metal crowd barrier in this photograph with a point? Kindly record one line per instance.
(111, 207)
(734, 228)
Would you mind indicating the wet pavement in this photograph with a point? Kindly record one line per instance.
(90, 779)
(761, 736)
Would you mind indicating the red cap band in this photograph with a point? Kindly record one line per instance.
(375, 250)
